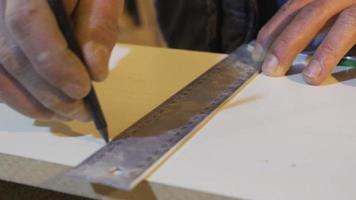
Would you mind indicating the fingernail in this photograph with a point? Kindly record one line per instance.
(271, 66)
(259, 53)
(99, 59)
(101, 53)
(75, 90)
(83, 116)
(313, 71)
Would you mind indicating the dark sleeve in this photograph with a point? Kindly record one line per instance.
(189, 24)
(207, 25)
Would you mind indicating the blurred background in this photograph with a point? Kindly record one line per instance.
(138, 24)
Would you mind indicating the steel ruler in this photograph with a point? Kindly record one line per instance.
(138, 150)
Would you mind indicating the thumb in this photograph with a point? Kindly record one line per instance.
(96, 26)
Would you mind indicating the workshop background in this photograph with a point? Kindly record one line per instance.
(137, 25)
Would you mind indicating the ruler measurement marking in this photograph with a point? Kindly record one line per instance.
(132, 154)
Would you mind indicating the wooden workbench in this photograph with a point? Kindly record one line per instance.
(277, 139)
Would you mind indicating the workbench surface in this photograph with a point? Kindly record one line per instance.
(277, 139)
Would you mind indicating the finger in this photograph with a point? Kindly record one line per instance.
(16, 97)
(62, 118)
(279, 21)
(333, 48)
(298, 34)
(17, 64)
(35, 30)
(96, 24)
(20, 68)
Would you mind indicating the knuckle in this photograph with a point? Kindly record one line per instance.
(314, 8)
(49, 65)
(46, 67)
(349, 16)
(327, 51)
(19, 19)
(14, 61)
(12, 57)
(328, 48)
(43, 63)
(45, 57)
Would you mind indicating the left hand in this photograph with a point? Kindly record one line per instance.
(296, 24)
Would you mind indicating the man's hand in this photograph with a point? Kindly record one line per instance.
(296, 24)
(39, 76)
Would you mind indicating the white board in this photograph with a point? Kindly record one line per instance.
(278, 139)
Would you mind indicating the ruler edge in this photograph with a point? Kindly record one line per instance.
(175, 148)
(150, 170)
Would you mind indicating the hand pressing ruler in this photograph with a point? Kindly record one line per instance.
(138, 150)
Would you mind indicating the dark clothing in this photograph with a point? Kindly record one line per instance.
(212, 25)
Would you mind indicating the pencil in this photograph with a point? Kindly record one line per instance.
(91, 100)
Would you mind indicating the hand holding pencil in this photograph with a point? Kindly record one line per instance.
(39, 75)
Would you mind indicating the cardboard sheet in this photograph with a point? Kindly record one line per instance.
(141, 78)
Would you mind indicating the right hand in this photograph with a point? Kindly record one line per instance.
(39, 76)
(297, 24)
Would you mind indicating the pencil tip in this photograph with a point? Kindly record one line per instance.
(104, 134)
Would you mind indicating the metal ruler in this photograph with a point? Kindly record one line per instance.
(130, 157)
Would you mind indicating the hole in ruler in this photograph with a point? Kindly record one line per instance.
(115, 171)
